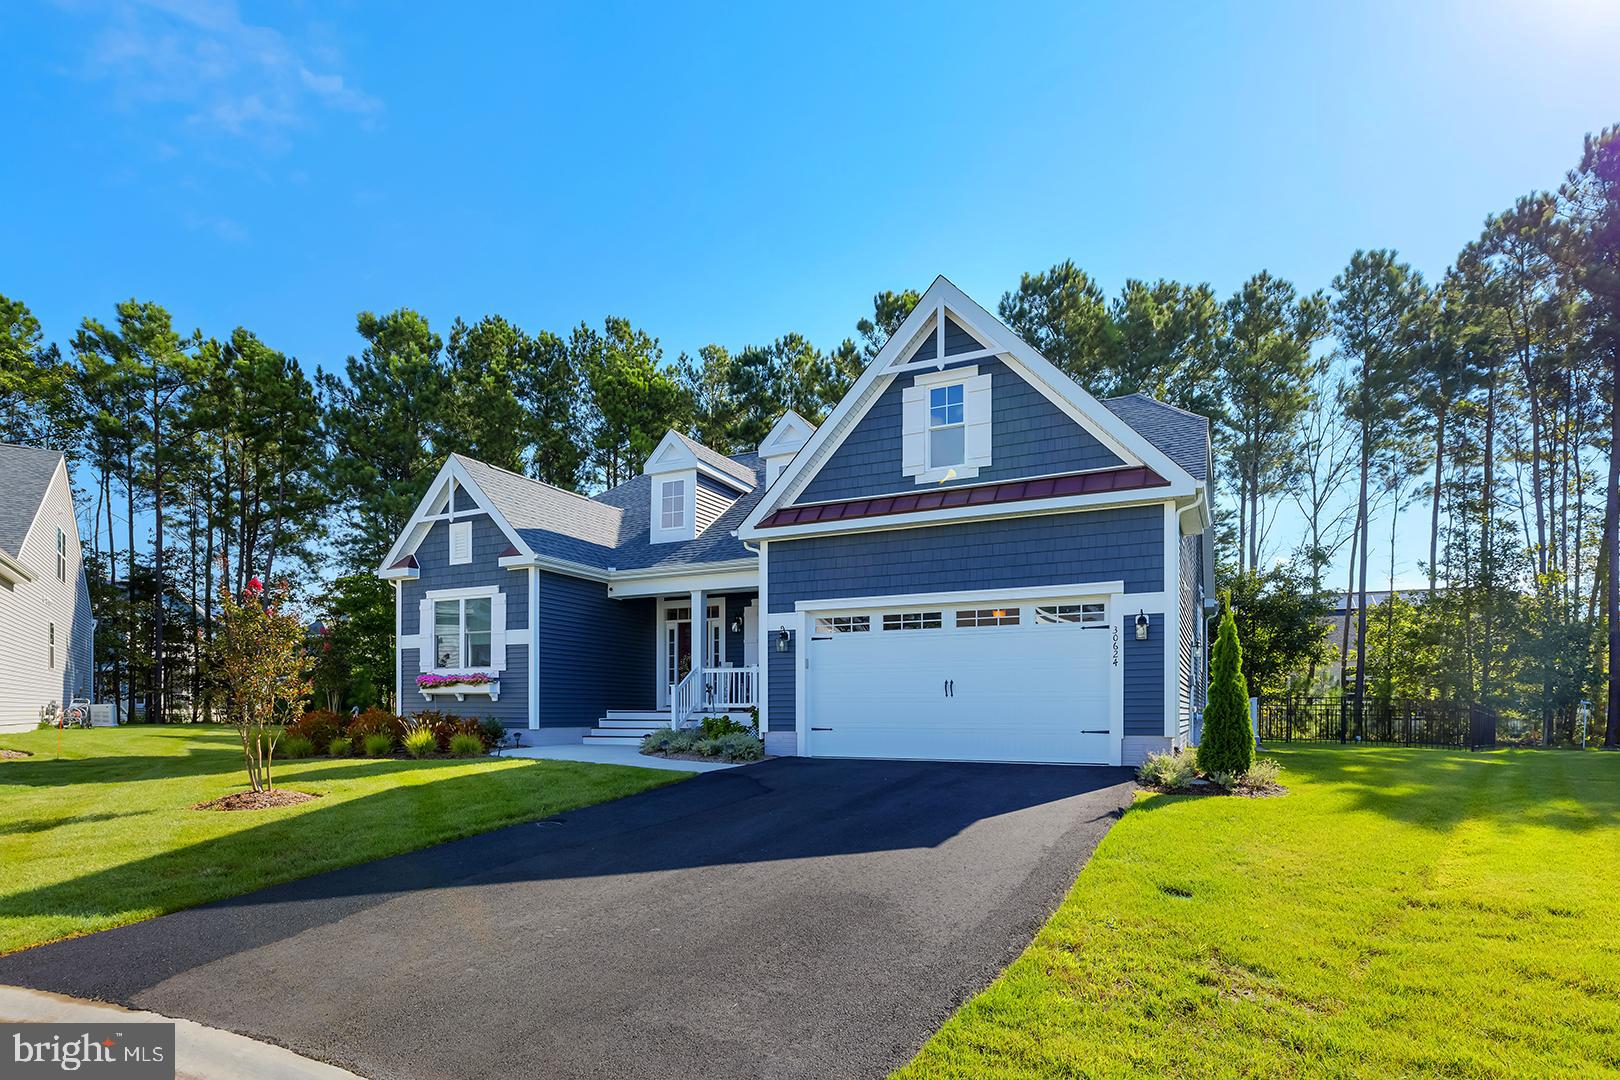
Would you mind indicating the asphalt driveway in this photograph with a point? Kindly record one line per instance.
(798, 918)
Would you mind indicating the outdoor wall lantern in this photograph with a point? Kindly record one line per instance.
(736, 625)
(1142, 624)
(782, 640)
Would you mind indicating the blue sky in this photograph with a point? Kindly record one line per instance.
(732, 173)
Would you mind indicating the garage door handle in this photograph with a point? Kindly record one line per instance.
(821, 729)
(1093, 731)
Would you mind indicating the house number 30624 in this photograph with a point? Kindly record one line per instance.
(1116, 646)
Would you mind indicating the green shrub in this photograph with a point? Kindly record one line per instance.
(296, 746)
(379, 744)
(319, 726)
(739, 746)
(464, 745)
(718, 727)
(667, 741)
(340, 746)
(1227, 744)
(420, 742)
(492, 731)
(375, 722)
(1227, 781)
(1170, 771)
(1261, 777)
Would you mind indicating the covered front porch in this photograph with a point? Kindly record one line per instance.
(704, 666)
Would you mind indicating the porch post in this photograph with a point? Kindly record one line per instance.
(700, 629)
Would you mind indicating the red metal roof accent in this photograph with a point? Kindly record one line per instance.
(407, 563)
(509, 552)
(1129, 478)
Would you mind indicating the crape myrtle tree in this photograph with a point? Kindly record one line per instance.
(261, 667)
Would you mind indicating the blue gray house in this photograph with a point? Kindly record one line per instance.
(971, 558)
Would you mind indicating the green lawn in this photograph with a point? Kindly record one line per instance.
(103, 836)
(1401, 913)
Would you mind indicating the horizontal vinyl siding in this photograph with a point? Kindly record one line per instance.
(596, 653)
(1008, 553)
(1029, 436)
(712, 500)
(28, 679)
(436, 572)
(1144, 676)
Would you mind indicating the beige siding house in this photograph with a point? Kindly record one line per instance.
(46, 629)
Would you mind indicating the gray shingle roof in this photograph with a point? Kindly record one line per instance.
(25, 474)
(718, 461)
(613, 529)
(1181, 436)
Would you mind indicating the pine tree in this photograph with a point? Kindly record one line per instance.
(1227, 745)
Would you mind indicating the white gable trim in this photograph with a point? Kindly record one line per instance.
(944, 298)
(672, 454)
(424, 517)
(787, 435)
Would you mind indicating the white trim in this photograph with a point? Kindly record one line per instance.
(1030, 594)
(764, 641)
(733, 580)
(533, 632)
(781, 439)
(801, 683)
(1065, 505)
(418, 525)
(1172, 621)
(399, 648)
(470, 591)
(672, 454)
(951, 375)
(560, 566)
(944, 298)
(404, 573)
(687, 529)
(13, 571)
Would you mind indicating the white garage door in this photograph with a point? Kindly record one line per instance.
(988, 682)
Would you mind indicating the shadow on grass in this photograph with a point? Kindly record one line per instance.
(1444, 789)
(785, 809)
(19, 828)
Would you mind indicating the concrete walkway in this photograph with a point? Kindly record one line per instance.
(617, 755)
(201, 1053)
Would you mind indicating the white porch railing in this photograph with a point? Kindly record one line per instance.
(706, 689)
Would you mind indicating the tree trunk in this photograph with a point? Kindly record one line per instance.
(1361, 599)
(129, 591)
(155, 704)
(1487, 564)
(1349, 605)
(1434, 514)
(1611, 531)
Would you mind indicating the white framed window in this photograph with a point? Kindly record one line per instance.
(61, 555)
(461, 632)
(914, 620)
(945, 419)
(1086, 614)
(844, 624)
(1001, 616)
(50, 646)
(672, 504)
(460, 542)
(947, 427)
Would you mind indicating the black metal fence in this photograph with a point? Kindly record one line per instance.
(1445, 724)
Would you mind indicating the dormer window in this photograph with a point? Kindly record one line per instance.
(946, 430)
(672, 504)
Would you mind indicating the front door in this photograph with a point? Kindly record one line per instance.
(677, 649)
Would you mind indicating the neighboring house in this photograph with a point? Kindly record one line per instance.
(46, 630)
(972, 558)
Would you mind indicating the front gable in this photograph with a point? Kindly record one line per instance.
(1030, 436)
(887, 447)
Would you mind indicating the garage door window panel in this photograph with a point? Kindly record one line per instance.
(843, 624)
(1095, 614)
(976, 617)
(914, 620)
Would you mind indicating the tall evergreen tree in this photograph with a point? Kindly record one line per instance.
(1227, 743)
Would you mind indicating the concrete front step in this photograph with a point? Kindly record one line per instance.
(606, 724)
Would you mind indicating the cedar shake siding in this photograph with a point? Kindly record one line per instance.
(780, 693)
(1030, 437)
(1144, 675)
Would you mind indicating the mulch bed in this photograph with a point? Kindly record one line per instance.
(256, 800)
(7, 755)
(700, 757)
(1272, 792)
